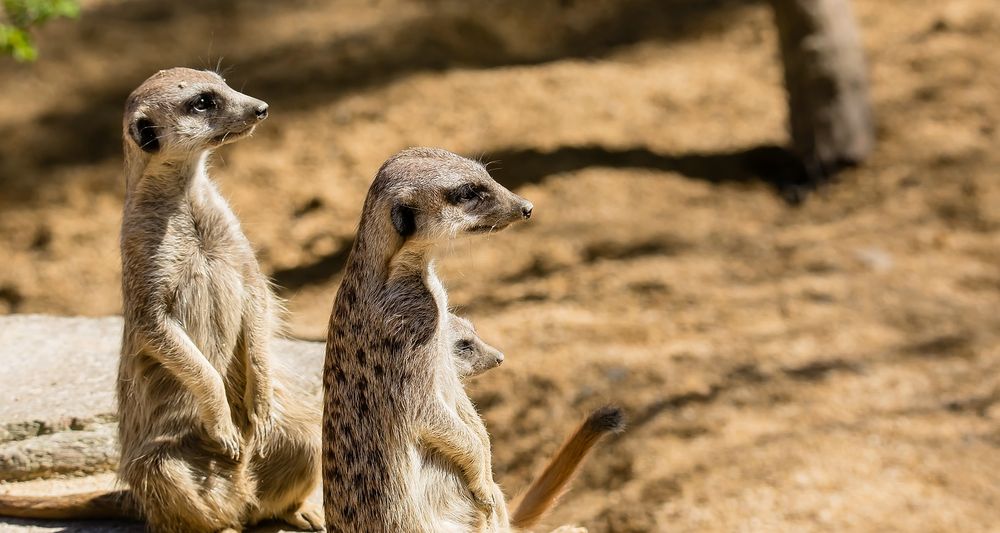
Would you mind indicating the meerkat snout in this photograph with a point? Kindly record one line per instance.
(497, 208)
(261, 111)
(252, 109)
(526, 208)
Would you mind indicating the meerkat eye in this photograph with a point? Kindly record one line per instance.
(463, 345)
(204, 102)
(466, 193)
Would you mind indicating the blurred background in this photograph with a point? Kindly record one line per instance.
(791, 357)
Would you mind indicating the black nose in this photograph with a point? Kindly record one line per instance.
(526, 210)
(261, 111)
(499, 359)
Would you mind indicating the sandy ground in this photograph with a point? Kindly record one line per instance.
(833, 366)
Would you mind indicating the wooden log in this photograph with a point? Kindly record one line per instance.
(827, 82)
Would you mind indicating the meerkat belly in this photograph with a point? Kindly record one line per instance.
(209, 305)
(444, 491)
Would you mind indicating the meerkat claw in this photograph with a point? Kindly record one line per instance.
(485, 502)
(262, 426)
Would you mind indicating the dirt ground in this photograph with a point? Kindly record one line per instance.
(832, 366)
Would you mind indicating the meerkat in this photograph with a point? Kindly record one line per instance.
(401, 450)
(473, 356)
(210, 439)
(404, 448)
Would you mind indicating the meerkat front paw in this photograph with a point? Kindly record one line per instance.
(484, 498)
(309, 517)
(500, 503)
(262, 422)
(227, 437)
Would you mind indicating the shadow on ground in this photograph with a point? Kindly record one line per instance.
(770, 165)
(63, 526)
(303, 74)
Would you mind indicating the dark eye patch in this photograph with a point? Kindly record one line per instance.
(463, 345)
(465, 193)
(204, 102)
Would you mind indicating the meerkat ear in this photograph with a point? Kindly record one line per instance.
(143, 132)
(404, 219)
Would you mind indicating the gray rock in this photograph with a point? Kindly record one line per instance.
(58, 372)
(64, 453)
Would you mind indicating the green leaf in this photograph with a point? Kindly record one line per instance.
(17, 43)
(22, 15)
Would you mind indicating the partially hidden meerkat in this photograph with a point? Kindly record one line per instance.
(473, 356)
(403, 448)
(210, 439)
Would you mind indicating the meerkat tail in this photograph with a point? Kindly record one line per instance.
(550, 485)
(90, 505)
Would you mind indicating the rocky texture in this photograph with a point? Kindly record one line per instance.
(58, 373)
(67, 452)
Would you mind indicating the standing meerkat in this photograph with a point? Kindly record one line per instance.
(404, 449)
(210, 441)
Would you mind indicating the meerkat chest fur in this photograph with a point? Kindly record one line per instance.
(204, 267)
(446, 382)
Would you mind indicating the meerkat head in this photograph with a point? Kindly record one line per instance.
(180, 112)
(430, 195)
(472, 356)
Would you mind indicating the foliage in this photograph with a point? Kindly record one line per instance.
(22, 15)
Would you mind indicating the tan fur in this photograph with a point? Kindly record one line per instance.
(93, 505)
(404, 449)
(472, 357)
(210, 439)
(543, 493)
